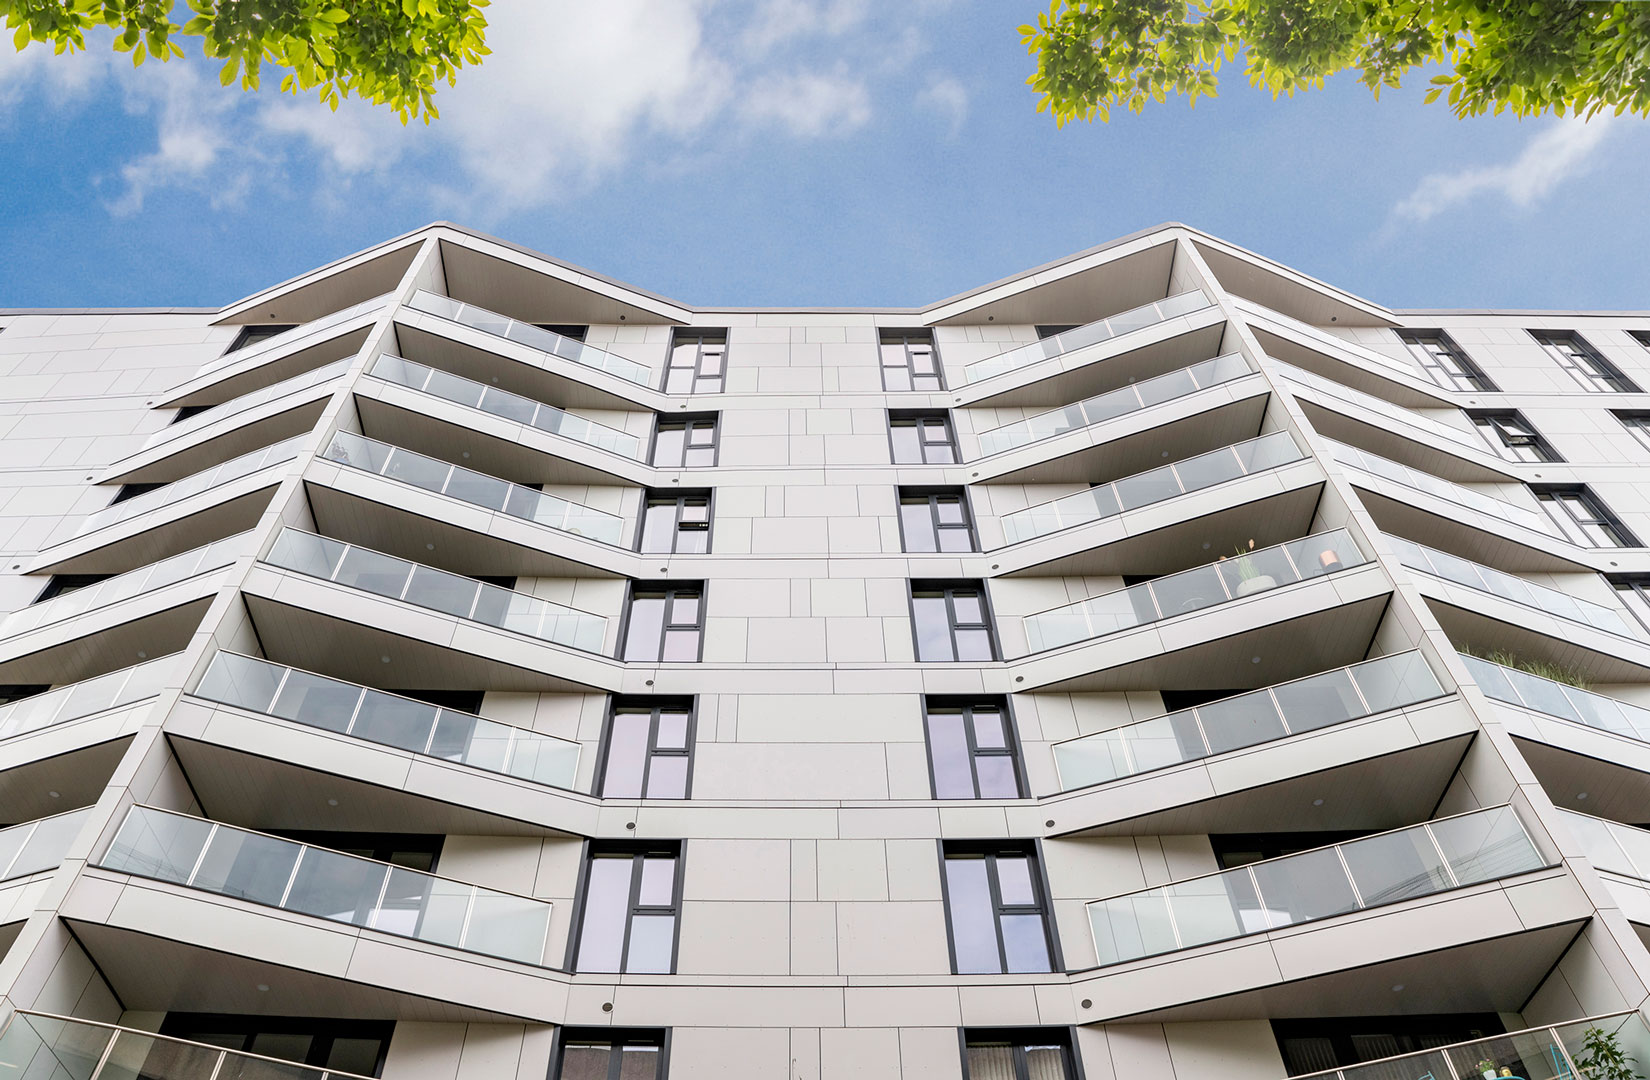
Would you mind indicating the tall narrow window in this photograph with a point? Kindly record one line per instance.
(649, 751)
(697, 358)
(1583, 363)
(628, 921)
(935, 519)
(1512, 436)
(951, 621)
(1582, 518)
(995, 907)
(1444, 361)
(1637, 425)
(971, 749)
(922, 438)
(665, 622)
(251, 335)
(909, 361)
(685, 441)
(611, 1054)
(1017, 1054)
(675, 523)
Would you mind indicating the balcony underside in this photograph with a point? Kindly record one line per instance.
(1466, 533)
(481, 357)
(1408, 445)
(1109, 368)
(78, 776)
(101, 648)
(217, 387)
(1481, 634)
(1613, 790)
(134, 543)
(165, 464)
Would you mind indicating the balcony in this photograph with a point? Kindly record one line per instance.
(1558, 699)
(307, 880)
(1093, 333)
(115, 690)
(294, 385)
(527, 334)
(178, 490)
(513, 407)
(37, 846)
(1120, 402)
(1416, 480)
(388, 720)
(1193, 590)
(1458, 440)
(281, 342)
(40, 1045)
(436, 590)
(1154, 486)
(1245, 720)
(1385, 868)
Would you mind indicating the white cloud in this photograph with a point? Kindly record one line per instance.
(947, 98)
(192, 136)
(773, 22)
(809, 103)
(1560, 152)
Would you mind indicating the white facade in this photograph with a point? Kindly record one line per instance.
(1333, 510)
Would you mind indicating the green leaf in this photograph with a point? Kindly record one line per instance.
(227, 75)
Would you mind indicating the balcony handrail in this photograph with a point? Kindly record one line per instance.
(1094, 333)
(199, 861)
(1443, 875)
(1511, 587)
(1438, 487)
(214, 1061)
(1114, 497)
(1352, 395)
(526, 754)
(325, 558)
(1265, 568)
(206, 559)
(194, 484)
(112, 690)
(295, 384)
(530, 335)
(1115, 403)
(473, 487)
(57, 841)
(1193, 726)
(1559, 700)
(313, 328)
(511, 406)
(1382, 1067)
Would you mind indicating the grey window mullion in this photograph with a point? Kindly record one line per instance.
(632, 902)
(994, 885)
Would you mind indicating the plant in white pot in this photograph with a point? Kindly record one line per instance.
(1250, 579)
(1487, 1068)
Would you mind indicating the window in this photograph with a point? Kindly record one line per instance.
(649, 751)
(190, 410)
(922, 438)
(1640, 336)
(1240, 849)
(685, 442)
(10, 692)
(611, 1054)
(575, 331)
(994, 908)
(1512, 436)
(696, 361)
(1582, 519)
(909, 361)
(251, 334)
(935, 519)
(971, 749)
(1637, 425)
(354, 1046)
(1017, 1054)
(628, 919)
(1049, 331)
(1443, 361)
(415, 851)
(675, 523)
(664, 622)
(67, 583)
(1582, 362)
(1335, 1042)
(132, 491)
(1635, 593)
(951, 621)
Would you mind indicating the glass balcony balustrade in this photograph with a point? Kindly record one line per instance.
(1558, 1052)
(40, 1046)
(475, 488)
(1260, 716)
(1510, 587)
(388, 719)
(178, 490)
(490, 399)
(1464, 440)
(1154, 486)
(1558, 699)
(37, 846)
(1610, 845)
(1193, 590)
(527, 334)
(1438, 487)
(326, 884)
(1093, 333)
(1119, 402)
(1368, 872)
(76, 700)
(284, 341)
(437, 590)
(251, 400)
(145, 579)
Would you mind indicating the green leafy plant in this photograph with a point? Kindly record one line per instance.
(1246, 568)
(1602, 1057)
(1541, 669)
(388, 52)
(1484, 1066)
(1557, 56)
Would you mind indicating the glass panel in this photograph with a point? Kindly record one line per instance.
(667, 779)
(991, 1063)
(973, 645)
(917, 522)
(473, 487)
(316, 701)
(626, 756)
(441, 591)
(997, 777)
(47, 843)
(305, 553)
(585, 1063)
(658, 882)
(1014, 881)
(659, 528)
(606, 907)
(1093, 759)
(1541, 695)
(1178, 594)
(373, 572)
(1311, 885)
(1025, 944)
(1215, 908)
(1146, 488)
(651, 941)
(1257, 571)
(358, 1056)
(1207, 470)
(1484, 846)
(1324, 553)
(968, 608)
(1394, 681)
(417, 470)
(639, 1063)
(642, 636)
(394, 721)
(1320, 701)
(240, 680)
(681, 645)
(247, 865)
(973, 922)
(144, 1057)
(424, 907)
(1126, 927)
(512, 927)
(1045, 1063)
(1240, 721)
(1395, 866)
(948, 751)
(334, 886)
(158, 845)
(933, 627)
(544, 760)
(1166, 740)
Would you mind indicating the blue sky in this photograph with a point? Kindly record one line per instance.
(792, 152)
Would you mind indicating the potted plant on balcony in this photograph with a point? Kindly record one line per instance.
(1250, 579)
(1487, 1068)
(1602, 1057)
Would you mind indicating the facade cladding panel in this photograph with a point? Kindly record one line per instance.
(1159, 665)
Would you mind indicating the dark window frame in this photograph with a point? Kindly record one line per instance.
(1636, 422)
(1639, 586)
(690, 422)
(1501, 428)
(614, 1036)
(1583, 363)
(251, 333)
(1020, 1037)
(190, 1025)
(1275, 845)
(1556, 497)
(572, 331)
(950, 586)
(1640, 336)
(132, 491)
(904, 338)
(1464, 375)
(918, 419)
(932, 494)
(656, 705)
(59, 584)
(1011, 737)
(663, 497)
(699, 336)
(382, 845)
(1048, 330)
(637, 850)
(989, 849)
(669, 588)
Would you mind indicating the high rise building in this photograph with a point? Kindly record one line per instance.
(452, 664)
